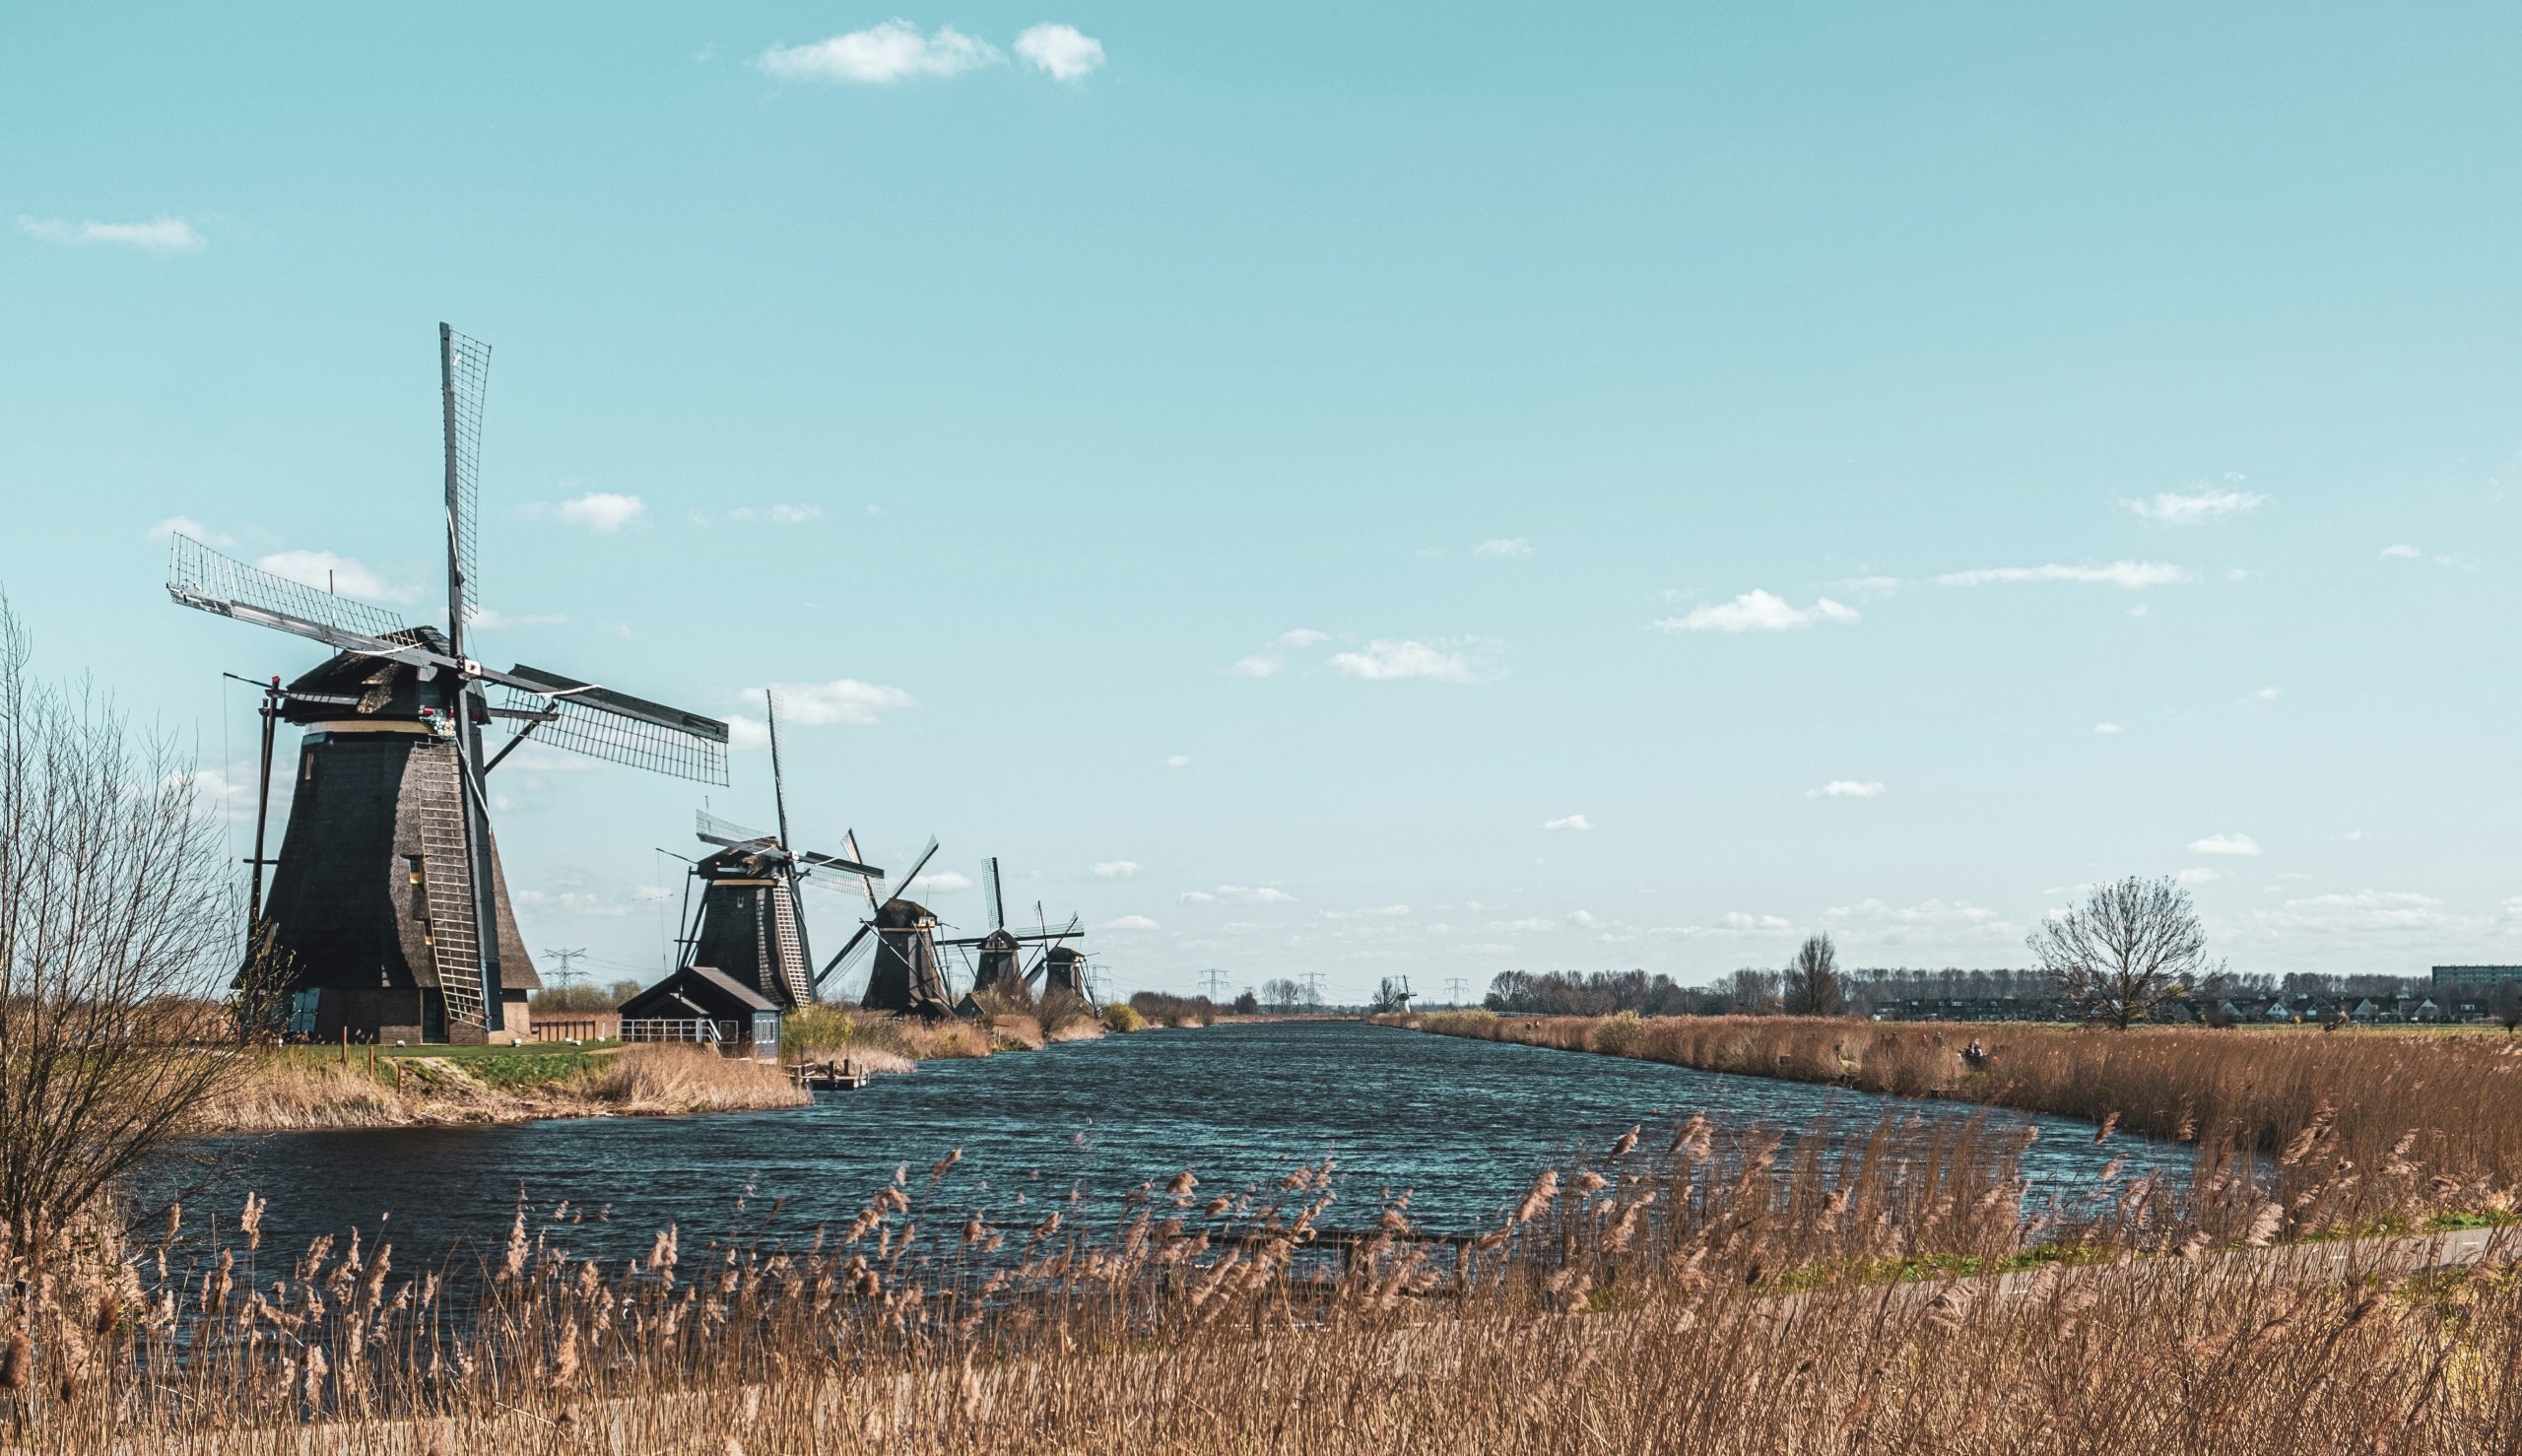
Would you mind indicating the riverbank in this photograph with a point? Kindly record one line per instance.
(2385, 1104)
(303, 1089)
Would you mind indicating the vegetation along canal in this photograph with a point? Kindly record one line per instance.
(1463, 1125)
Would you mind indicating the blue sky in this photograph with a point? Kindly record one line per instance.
(1256, 469)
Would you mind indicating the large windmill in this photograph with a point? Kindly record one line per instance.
(387, 906)
(1000, 955)
(906, 976)
(746, 957)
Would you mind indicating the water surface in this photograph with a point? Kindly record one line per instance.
(1462, 1124)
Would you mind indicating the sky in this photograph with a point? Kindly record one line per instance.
(1413, 489)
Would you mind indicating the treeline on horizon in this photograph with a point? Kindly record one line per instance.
(1865, 991)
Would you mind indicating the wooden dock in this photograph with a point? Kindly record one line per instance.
(840, 1076)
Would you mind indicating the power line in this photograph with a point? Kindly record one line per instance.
(1214, 982)
(1453, 990)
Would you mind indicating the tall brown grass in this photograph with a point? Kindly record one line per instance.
(1687, 1288)
(655, 1081)
(2383, 1103)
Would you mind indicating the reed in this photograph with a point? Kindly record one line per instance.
(1690, 1287)
(2386, 1103)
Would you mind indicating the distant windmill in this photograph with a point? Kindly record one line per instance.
(1061, 966)
(905, 976)
(387, 898)
(751, 923)
(1001, 953)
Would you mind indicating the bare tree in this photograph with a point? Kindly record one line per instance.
(2133, 945)
(116, 925)
(1752, 991)
(1811, 987)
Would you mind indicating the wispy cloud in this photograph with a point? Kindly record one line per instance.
(1239, 895)
(1846, 788)
(347, 575)
(941, 882)
(1568, 821)
(601, 511)
(1384, 660)
(2128, 576)
(2400, 553)
(841, 703)
(2199, 503)
(1178, 760)
(1061, 52)
(159, 236)
(2108, 728)
(1272, 660)
(880, 55)
(1757, 610)
(1503, 549)
(1130, 922)
(2235, 844)
(776, 515)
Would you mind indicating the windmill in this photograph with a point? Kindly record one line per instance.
(1060, 967)
(751, 924)
(1001, 952)
(905, 976)
(387, 900)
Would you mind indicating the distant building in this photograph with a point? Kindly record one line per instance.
(2480, 982)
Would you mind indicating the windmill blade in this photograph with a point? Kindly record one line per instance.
(849, 841)
(997, 905)
(619, 728)
(761, 844)
(778, 784)
(865, 930)
(464, 375)
(206, 582)
(913, 877)
(836, 862)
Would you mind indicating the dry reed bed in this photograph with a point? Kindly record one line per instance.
(2382, 1105)
(648, 1081)
(1630, 1302)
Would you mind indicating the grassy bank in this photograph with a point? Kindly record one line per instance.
(290, 1089)
(2425, 1122)
(1687, 1288)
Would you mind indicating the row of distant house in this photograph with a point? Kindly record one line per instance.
(2459, 993)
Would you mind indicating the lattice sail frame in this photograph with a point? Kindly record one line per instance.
(201, 577)
(467, 365)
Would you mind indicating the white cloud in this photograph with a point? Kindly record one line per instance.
(941, 882)
(1115, 868)
(776, 515)
(2364, 912)
(2237, 844)
(1846, 788)
(489, 619)
(1568, 821)
(2266, 694)
(1528, 923)
(1061, 52)
(1737, 923)
(1935, 917)
(1503, 549)
(1302, 636)
(1372, 912)
(1130, 922)
(1239, 894)
(2353, 837)
(1757, 610)
(1583, 919)
(843, 701)
(2128, 576)
(880, 55)
(1488, 948)
(1471, 660)
(2199, 875)
(1178, 760)
(2198, 504)
(325, 571)
(184, 525)
(161, 235)
(2109, 728)
(600, 511)
(214, 791)
(2400, 553)
(1258, 665)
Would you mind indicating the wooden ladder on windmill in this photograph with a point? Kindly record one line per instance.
(446, 875)
(793, 971)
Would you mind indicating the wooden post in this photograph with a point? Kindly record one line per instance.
(345, 1046)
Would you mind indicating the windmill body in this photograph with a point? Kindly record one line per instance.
(998, 957)
(906, 977)
(389, 917)
(370, 897)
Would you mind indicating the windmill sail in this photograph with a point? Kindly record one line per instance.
(464, 376)
(617, 727)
